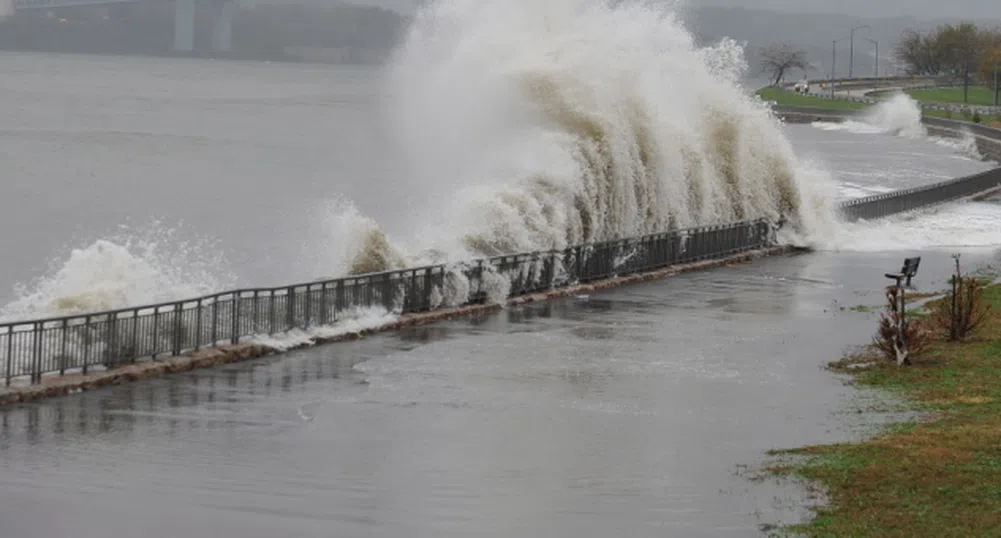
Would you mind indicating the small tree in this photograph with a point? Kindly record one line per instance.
(777, 60)
(919, 53)
(962, 46)
(962, 312)
(898, 338)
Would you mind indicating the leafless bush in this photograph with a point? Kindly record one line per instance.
(962, 312)
(899, 338)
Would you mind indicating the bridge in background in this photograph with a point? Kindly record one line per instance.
(184, 17)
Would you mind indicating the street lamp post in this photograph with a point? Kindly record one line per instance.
(851, 54)
(874, 42)
(996, 80)
(834, 60)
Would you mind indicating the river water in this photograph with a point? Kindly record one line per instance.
(630, 411)
(231, 169)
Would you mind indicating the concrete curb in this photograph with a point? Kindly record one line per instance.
(60, 386)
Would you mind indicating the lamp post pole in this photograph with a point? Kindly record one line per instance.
(996, 73)
(876, 43)
(851, 54)
(834, 60)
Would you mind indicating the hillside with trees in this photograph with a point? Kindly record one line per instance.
(969, 53)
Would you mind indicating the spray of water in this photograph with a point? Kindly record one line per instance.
(970, 225)
(900, 115)
(529, 124)
(537, 124)
(132, 267)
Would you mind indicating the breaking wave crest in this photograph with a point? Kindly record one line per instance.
(528, 125)
(134, 267)
(539, 124)
(900, 115)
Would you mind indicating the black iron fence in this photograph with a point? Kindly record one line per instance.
(31, 349)
(79, 343)
(882, 205)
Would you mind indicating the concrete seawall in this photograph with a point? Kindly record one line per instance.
(54, 386)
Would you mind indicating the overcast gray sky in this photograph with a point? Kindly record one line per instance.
(872, 8)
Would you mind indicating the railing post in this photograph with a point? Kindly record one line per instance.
(271, 311)
(289, 308)
(309, 306)
(255, 326)
(62, 347)
(323, 304)
(388, 292)
(36, 353)
(109, 340)
(10, 352)
(215, 321)
(235, 337)
(156, 333)
(198, 326)
(426, 290)
(135, 335)
(339, 305)
(87, 343)
(178, 325)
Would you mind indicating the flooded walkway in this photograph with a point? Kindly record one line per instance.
(629, 411)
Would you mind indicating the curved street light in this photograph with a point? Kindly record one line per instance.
(874, 42)
(851, 54)
(834, 60)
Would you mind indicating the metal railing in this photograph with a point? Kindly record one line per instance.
(113, 338)
(988, 141)
(891, 203)
(109, 339)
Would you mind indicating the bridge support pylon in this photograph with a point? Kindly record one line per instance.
(222, 31)
(184, 25)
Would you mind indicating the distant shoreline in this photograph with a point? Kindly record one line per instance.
(340, 34)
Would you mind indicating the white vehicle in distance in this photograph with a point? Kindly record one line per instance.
(802, 86)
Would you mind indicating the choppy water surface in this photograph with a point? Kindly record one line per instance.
(227, 174)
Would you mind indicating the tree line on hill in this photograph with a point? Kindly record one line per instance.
(964, 51)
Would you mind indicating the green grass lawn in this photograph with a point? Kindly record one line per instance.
(940, 477)
(979, 95)
(786, 98)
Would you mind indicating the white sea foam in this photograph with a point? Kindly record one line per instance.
(537, 124)
(900, 115)
(352, 321)
(131, 267)
(973, 224)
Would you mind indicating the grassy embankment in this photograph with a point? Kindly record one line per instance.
(979, 95)
(938, 477)
(786, 98)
